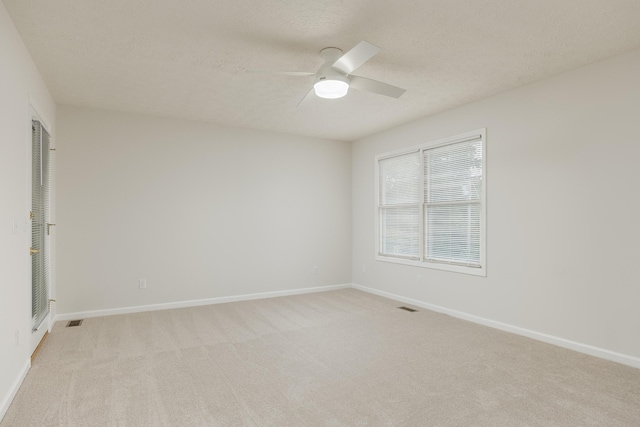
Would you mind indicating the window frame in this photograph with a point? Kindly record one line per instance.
(422, 262)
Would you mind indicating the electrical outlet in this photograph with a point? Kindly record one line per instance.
(142, 283)
(14, 225)
(364, 268)
(314, 270)
(419, 280)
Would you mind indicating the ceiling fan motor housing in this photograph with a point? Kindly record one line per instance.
(327, 72)
(330, 83)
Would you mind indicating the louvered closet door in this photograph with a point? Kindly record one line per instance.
(39, 216)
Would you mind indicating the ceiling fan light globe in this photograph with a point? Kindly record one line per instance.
(330, 88)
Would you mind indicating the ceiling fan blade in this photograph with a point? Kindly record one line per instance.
(368, 85)
(281, 73)
(304, 98)
(358, 55)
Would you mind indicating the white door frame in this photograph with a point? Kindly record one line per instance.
(37, 335)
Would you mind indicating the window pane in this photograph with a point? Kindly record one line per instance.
(400, 229)
(454, 172)
(400, 179)
(453, 233)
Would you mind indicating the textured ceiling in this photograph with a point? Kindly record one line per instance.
(187, 58)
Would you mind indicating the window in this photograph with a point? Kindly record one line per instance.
(431, 204)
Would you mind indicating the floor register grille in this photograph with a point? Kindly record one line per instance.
(74, 323)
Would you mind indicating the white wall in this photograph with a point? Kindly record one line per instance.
(20, 85)
(199, 210)
(563, 208)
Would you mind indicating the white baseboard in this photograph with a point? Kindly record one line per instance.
(14, 388)
(550, 339)
(194, 303)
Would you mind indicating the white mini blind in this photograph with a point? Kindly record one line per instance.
(400, 205)
(47, 189)
(40, 275)
(453, 195)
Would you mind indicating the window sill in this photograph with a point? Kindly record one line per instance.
(474, 271)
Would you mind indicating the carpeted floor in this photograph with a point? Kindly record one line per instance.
(339, 358)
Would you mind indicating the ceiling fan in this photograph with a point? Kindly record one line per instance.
(333, 79)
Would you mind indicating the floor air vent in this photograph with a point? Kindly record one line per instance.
(74, 323)
(407, 309)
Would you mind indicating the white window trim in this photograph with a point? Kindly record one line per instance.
(476, 271)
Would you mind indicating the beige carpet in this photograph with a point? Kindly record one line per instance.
(340, 358)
